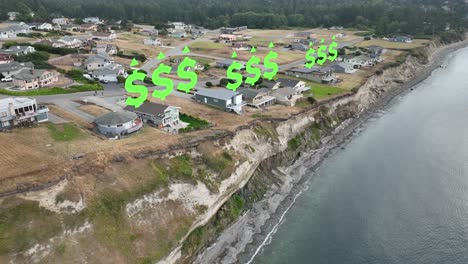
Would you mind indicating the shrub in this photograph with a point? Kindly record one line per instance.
(209, 84)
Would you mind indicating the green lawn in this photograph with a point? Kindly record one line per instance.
(65, 132)
(318, 91)
(195, 123)
(206, 45)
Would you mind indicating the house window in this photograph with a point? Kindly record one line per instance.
(215, 100)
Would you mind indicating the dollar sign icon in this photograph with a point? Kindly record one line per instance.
(233, 75)
(270, 65)
(184, 74)
(160, 81)
(253, 70)
(332, 51)
(132, 88)
(310, 58)
(321, 55)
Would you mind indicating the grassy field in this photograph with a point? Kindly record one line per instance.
(195, 123)
(393, 45)
(54, 90)
(205, 46)
(65, 132)
(318, 91)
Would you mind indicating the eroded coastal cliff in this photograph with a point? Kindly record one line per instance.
(169, 206)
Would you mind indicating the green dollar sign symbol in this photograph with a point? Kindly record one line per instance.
(252, 70)
(160, 81)
(232, 75)
(184, 74)
(310, 58)
(132, 88)
(270, 65)
(332, 51)
(322, 56)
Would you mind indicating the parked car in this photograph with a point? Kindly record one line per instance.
(7, 79)
(104, 81)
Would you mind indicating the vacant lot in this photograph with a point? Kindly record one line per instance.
(93, 109)
(393, 45)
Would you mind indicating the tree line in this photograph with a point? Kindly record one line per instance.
(415, 17)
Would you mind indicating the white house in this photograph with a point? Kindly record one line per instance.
(109, 73)
(152, 42)
(13, 31)
(45, 26)
(61, 21)
(71, 41)
(93, 20)
(104, 35)
(12, 15)
(96, 62)
(109, 49)
(18, 50)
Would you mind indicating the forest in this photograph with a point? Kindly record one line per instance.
(413, 17)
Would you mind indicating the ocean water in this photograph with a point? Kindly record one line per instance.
(397, 193)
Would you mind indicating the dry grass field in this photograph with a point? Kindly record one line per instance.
(393, 45)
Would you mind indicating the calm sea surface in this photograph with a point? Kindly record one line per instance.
(397, 193)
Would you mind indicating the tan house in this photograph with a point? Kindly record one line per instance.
(34, 79)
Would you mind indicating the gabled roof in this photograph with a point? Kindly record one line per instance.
(149, 108)
(4, 103)
(27, 74)
(14, 66)
(250, 93)
(287, 82)
(222, 94)
(269, 84)
(97, 58)
(286, 91)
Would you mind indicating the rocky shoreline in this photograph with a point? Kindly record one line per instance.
(245, 237)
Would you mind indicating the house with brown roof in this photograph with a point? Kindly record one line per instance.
(5, 58)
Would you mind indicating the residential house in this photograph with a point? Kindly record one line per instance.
(5, 58)
(257, 97)
(88, 27)
(307, 42)
(71, 42)
(303, 34)
(12, 15)
(109, 73)
(96, 62)
(51, 42)
(362, 61)
(13, 31)
(224, 99)
(152, 42)
(317, 74)
(286, 96)
(12, 68)
(225, 30)
(104, 36)
(179, 26)
(118, 123)
(70, 28)
(272, 85)
(45, 27)
(340, 35)
(403, 39)
(157, 114)
(18, 50)
(240, 46)
(109, 49)
(61, 21)
(149, 32)
(227, 38)
(299, 46)
(178, 35)
(375, 51)
(225, 63)
(93, 20)
(343, 67)
(298, 85)
(21, 110)
(34, 79)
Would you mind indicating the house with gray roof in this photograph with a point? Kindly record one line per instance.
(343, 67)
(118, 123)
(257, 97)
(286, 96)
(18, 50)
(157, 114)
(21, 110)
(13, 30)
(96, 62)
(299, 46)
(34, 79)
(298, 85)
(316, 74)
(109, 73)
(9, 69)
(225, 63)
(224, 99)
